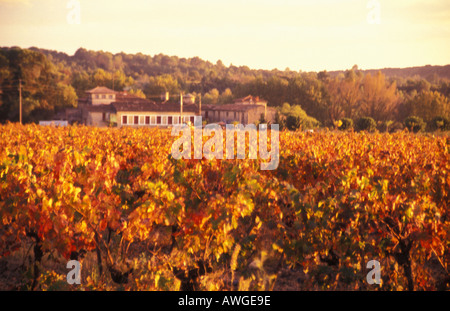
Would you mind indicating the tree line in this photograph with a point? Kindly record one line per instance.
(51, 81)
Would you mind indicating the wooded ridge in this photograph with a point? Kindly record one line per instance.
(51, 81)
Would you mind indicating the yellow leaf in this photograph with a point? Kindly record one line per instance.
(157, 277)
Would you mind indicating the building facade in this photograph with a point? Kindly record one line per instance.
(244, 110)
(105, 107)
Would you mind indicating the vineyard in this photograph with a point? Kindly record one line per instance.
(137, 219)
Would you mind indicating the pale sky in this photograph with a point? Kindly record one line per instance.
(307, 35)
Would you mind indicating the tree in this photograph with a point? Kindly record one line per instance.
(67, 97)
(343, 97)
(285, 109)
(366, 124)
(81, 82)
(379, 99)
(325, 97)
(385, 126)
(308, 92)
(100, 77)
(43, 89)
(226, 97)
(427, 105)
(346, 124)
(350, 91)
(323, 76)
(293, 122)
(5, 75)
(439, 124)
(161, 84)
(211, 98)
(415, 124)
(295, 117)
(137, 92)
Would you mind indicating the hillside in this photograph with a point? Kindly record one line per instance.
(164, 64)
(52, 81)
(428, 72)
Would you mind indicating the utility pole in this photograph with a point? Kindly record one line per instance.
(200, 105)
(20, 100)
(113, 75)
(265, 112)
(181, 107)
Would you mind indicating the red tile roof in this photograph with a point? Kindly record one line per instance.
(133, 106)
(124, 96)
(100, 108)
(249, 98)
(150, 106)
(231, 107)
(129, 102)
(83, 100)
(101, 90)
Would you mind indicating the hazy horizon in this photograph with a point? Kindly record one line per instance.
(308, 35)
(336, 70)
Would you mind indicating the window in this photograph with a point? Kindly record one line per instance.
(124, 120)
(110, 96)
(97, 96)
(235, 115)
(103, 96)
(147, 120)
(169, 120)
(176, 120)
(192, 120)
(158, 120)
(136, 119)
(106, 116)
